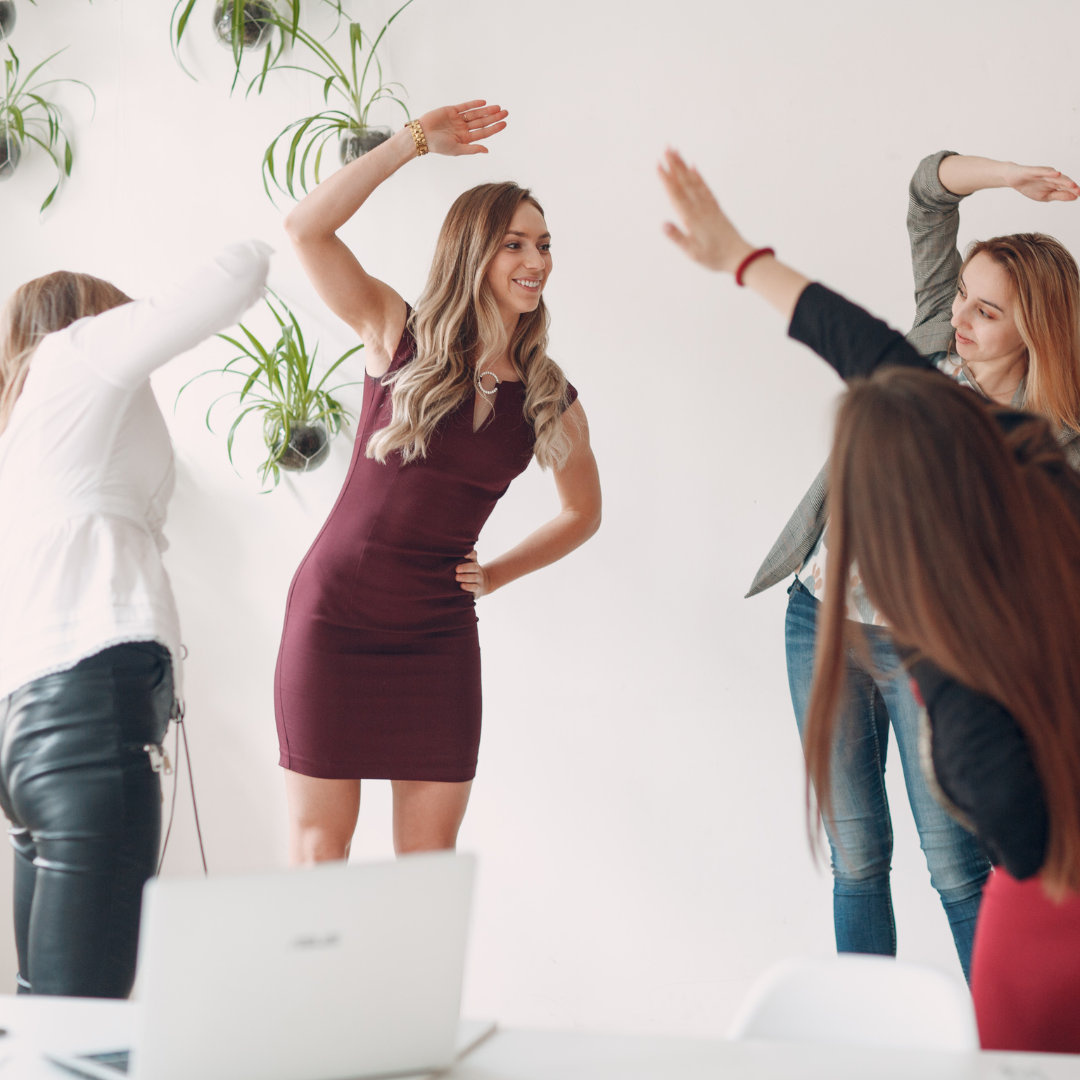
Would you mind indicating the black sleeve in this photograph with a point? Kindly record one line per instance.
(847, 336)
(984, 765)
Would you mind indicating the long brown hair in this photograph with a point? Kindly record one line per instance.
(42, 307)
(1047, 287)
(458, 328)
(968, 543)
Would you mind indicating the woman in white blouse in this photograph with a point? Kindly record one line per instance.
(89, 636)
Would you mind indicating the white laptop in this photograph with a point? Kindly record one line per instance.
(317, 974)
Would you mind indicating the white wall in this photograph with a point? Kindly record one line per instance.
(638, 809)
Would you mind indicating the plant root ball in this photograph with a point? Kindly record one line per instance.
(7, 18)
(256, 25)
(308, 448)
(10, 152)
(358, 141)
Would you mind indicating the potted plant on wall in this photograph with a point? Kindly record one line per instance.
(356, 85)
(299, 413)
(28, 117)
(241, 25)
(244, 26)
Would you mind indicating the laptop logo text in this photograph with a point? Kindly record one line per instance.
(316, 941)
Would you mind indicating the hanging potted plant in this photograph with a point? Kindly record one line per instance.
(28, 117)
(244, 26)
(356, 86)
(299, 413)
(7, 18)
(241, 25)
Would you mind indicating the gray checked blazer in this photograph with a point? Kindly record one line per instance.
(933, 220)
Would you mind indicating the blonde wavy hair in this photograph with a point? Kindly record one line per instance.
(1047, 286)
(458, 330)
(38, 308)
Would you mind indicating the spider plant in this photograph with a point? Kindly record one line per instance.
(304, 140)
(299, 413)
(27, 117)
(245, 25)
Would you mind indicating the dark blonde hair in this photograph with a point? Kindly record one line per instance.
(968, 543)
(1047, 286)
(38, 308)
(458, 328)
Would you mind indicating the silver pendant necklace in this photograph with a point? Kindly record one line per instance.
(492, 387)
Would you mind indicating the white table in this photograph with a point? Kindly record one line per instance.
(67, 1024)
(561, 1055)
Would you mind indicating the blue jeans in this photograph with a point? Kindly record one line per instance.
(860, 833)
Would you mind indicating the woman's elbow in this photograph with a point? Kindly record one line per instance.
(298, 227)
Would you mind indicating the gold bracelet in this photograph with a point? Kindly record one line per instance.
(418, 137)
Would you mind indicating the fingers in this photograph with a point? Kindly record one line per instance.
(676, 235)
(470, 574)
(487, 130)
(684, 185)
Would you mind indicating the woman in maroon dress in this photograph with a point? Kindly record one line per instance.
(379, 669)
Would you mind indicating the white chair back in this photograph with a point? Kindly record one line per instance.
(859, 1000)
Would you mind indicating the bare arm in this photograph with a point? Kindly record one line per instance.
(578, 485)
(708, 237)
(370, 306)
(963, 174)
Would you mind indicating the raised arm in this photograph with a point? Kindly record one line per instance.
(371, 307)
(125, 344)
(842, 333)
(939, 183)
(708, 237)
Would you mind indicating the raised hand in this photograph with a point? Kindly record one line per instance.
(1041, 183)
(707, 234)
(457, 129)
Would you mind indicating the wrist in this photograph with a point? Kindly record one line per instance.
(415, 130)
(753, 258)
(739, 252)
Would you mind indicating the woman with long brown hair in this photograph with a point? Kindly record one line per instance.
(89, 635)
(961, 519)
(378, 674)
(1004, 321)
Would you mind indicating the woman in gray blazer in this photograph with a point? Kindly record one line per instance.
(1003, 321)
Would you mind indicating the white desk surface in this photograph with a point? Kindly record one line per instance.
(67, 1024)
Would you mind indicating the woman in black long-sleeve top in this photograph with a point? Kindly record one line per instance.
(964, 522)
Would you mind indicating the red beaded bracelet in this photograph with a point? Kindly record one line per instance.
(748, 260)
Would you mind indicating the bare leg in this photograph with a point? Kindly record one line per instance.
(428, 814)
(322, 817)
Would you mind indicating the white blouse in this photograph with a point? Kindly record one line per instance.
(86, 472)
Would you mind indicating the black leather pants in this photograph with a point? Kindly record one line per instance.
(85, 807)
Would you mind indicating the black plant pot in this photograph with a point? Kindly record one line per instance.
(308, 448)
(358, 141)
(7, 18)
(10, 152)
(256, 19)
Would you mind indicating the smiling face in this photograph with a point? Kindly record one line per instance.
(522, 265)
(983, 314)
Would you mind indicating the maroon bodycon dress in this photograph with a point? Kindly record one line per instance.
(378, 675)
